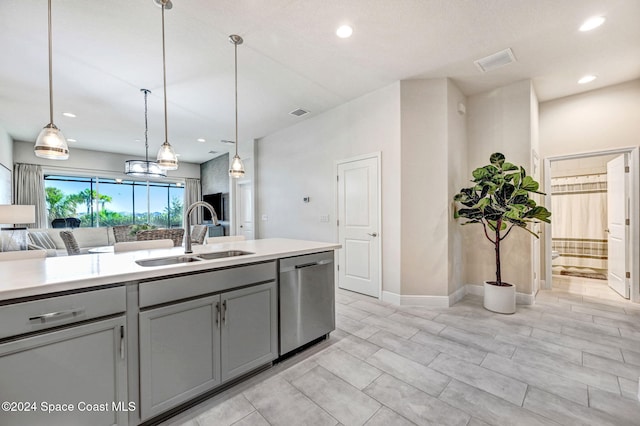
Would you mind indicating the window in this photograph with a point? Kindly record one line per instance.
(100, 201)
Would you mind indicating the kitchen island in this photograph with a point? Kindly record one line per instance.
(121, 343)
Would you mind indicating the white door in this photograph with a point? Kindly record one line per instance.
(537, 229)
(617, 229)
(244, 212)
(358, 226)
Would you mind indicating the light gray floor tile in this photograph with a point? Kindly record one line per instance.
(227, 412)
(280, 403)
(406, 348)
(349, 368)
(561, 386)
(344, 299)
(489, 326)
(477, 422)
(387, 417)
(628, 371)
(418, 311)
(402, 330)
(632, 327)
(568, 315)
(351, 312)
(413, 404)
(360, 348)
(253, 419)
(423, 378)
(373, 308)
(563, 411)
(450, 347)
(347, 324)
(561, 367)
(489, 408)
(417, 322)
(631, 357)
(607, 312)
(626, 411)
(587, 327)
(478, 341)
(618, 342)
(366, 332)
(497, 384)
(571, 354)
(298, 369)
(578, 343)
(631, 334)
(630, 389)
(344, 402)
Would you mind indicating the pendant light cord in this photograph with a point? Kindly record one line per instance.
(50, 70)
(146, 127)
(164, 75)
(236, 89)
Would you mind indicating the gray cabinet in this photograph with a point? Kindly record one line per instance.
(179, 353)
(191, 346)
(249, 329)
(82, 366)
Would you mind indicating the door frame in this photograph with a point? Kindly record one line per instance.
(377, 155)
(633, 254)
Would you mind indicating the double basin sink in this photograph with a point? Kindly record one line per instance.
(173, 260)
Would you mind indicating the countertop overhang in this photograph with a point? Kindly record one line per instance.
(34, 277)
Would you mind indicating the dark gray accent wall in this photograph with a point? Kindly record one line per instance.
(214, 175)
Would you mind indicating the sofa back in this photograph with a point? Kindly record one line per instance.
(86, 237)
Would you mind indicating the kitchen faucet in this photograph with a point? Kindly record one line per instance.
(187, 236)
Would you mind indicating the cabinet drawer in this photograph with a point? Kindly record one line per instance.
(186, 286)
(25, 317)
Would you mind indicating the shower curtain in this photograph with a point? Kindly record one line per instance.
(579, 220)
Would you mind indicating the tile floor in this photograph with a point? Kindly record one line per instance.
(570, 359)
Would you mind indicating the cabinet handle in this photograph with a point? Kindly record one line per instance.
(121, 342)
(56, 315)
(218, 314)
(224, 312)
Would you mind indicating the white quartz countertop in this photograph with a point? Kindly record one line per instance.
(33, 277)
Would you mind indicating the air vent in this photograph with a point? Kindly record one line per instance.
(228, 142)
(497, 60)
(299, 112)
(214, 152)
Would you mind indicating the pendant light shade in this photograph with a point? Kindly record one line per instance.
(167, 158)
(144, 168)
(237, 168)
(51, 143)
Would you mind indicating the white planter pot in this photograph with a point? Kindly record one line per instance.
(500, 299)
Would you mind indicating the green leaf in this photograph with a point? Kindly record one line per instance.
(528, 184)
(508, 167)
(497, 159)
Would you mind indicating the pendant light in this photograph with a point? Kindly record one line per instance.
(237, 168)
(51, 142)
(167, 158)
(146, 168)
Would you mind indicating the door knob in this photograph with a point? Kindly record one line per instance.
(607, 230)
(375, 234)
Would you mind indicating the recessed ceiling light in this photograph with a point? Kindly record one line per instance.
(178, 183)
(69, 114)
(587, 79)
(592, 23)
(71, 140)
(344, 31)
(201, 140)
(118, 180)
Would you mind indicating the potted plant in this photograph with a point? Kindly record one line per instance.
(500, 200)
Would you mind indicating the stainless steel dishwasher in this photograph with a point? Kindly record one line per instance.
(307, 299)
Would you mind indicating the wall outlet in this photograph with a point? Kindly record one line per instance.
(324, 218)
(265, 217)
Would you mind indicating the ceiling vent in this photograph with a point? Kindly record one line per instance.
(497, 60)
(299, 112)
(228, 142)
(213, 152)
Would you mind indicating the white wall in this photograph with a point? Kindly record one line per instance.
(6, 149)
(300, 161)
(593, 121)
(84, 161)
(499, 121)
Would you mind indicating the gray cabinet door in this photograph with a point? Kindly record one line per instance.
(79, 366)
(179, 353)
(249, 329)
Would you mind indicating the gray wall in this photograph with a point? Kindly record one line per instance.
(214, 175)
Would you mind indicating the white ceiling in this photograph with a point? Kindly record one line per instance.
(105, 51)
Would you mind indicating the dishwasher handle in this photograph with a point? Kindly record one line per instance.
(318, 263)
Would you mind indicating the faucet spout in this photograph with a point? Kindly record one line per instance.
(187, 220)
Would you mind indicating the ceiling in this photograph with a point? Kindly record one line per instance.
(105, 51)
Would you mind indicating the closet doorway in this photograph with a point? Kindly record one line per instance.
(591, 246)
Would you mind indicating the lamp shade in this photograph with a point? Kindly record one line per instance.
(15, 213)
(51, 144)
(167, 158)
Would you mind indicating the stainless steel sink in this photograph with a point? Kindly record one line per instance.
(222, 254)
(173, 260)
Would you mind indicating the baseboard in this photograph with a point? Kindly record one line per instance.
(415, 300)
(390, 297)
(457, 295)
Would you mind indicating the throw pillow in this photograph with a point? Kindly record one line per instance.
(42, 239)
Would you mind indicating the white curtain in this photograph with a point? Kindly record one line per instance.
(192, 193)
(579, 219)
(28, 182)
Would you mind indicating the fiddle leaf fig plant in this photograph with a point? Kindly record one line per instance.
(500, 200)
